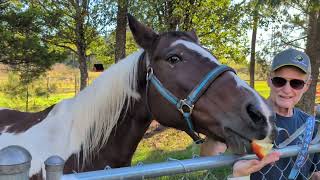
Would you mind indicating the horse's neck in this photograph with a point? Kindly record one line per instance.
(130, 129)
(122, 141)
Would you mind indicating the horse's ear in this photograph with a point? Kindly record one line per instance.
(193, 34)
(143, 35)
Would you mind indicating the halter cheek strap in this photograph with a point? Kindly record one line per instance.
(185, 106)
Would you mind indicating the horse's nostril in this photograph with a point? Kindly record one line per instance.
(255, 114)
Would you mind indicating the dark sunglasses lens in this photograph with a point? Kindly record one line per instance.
(297, 84)
(278, 81)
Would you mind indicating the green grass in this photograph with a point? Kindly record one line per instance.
(175, 145)
(170, 143)
(263, 88)
(35, 103)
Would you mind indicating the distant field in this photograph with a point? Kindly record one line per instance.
(262, 88)
(60, 83)
(66, 88)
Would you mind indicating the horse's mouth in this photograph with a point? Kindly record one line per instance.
(237, 142)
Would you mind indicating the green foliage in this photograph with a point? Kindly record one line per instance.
(21, 44)
(217, 23)
(35, 95)
(103, 53)
(13, 87)
(108, 50)
(71, 24)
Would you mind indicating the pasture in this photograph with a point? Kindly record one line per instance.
(61, 83)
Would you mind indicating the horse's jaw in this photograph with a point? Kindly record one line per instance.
(237, 143)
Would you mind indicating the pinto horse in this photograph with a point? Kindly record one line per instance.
(172, 79)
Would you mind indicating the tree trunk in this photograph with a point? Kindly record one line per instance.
(187, 19)
(81, 11)
(253, 46)
(120, 50)
(307, 102)
(83, 68)
(172, 21)
(81, 49)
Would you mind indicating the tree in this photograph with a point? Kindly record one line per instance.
(120, 49)
(217, 23)
(253, 43)
(262, 12)
(313, 50)
(301, 29)
(21, 45)
(74, 25)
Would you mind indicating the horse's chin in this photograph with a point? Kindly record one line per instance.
(237, 143)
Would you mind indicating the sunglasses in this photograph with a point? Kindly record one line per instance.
(296, 84)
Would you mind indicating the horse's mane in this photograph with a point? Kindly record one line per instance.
(96, 109)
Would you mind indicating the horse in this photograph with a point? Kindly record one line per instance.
(171, 78)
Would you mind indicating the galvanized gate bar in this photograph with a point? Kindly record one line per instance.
(175, 166)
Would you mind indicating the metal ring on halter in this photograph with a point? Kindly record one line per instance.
(185, 107)
(149, 73)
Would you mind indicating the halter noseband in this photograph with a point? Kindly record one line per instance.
(185, 106)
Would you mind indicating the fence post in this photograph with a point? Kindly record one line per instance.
(14, 163)
(54, 167)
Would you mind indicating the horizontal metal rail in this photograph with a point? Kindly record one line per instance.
(176, 166)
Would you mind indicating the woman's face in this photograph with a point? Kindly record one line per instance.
(287, 96)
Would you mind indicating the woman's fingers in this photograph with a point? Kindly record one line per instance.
(271, 158)
(246, 167)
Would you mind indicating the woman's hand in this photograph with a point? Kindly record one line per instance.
(315, 175)
(246, 167)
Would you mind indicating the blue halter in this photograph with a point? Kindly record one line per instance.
(185, 106)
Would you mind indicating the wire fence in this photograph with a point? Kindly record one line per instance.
(203, 168)
(52, 89)
(71, 84)
(16, 160)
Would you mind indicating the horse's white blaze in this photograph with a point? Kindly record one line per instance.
(265, 110)
(197, 48)
(95, 110)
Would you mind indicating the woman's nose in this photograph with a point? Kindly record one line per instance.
(287, 87)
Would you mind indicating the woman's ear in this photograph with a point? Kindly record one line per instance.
(307, 85)
(269, 80)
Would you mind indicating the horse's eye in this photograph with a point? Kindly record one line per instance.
(173, 59)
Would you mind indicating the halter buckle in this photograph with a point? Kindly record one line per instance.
(149, 73)
(185, 107)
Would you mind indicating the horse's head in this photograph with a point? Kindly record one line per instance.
(190, 90)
